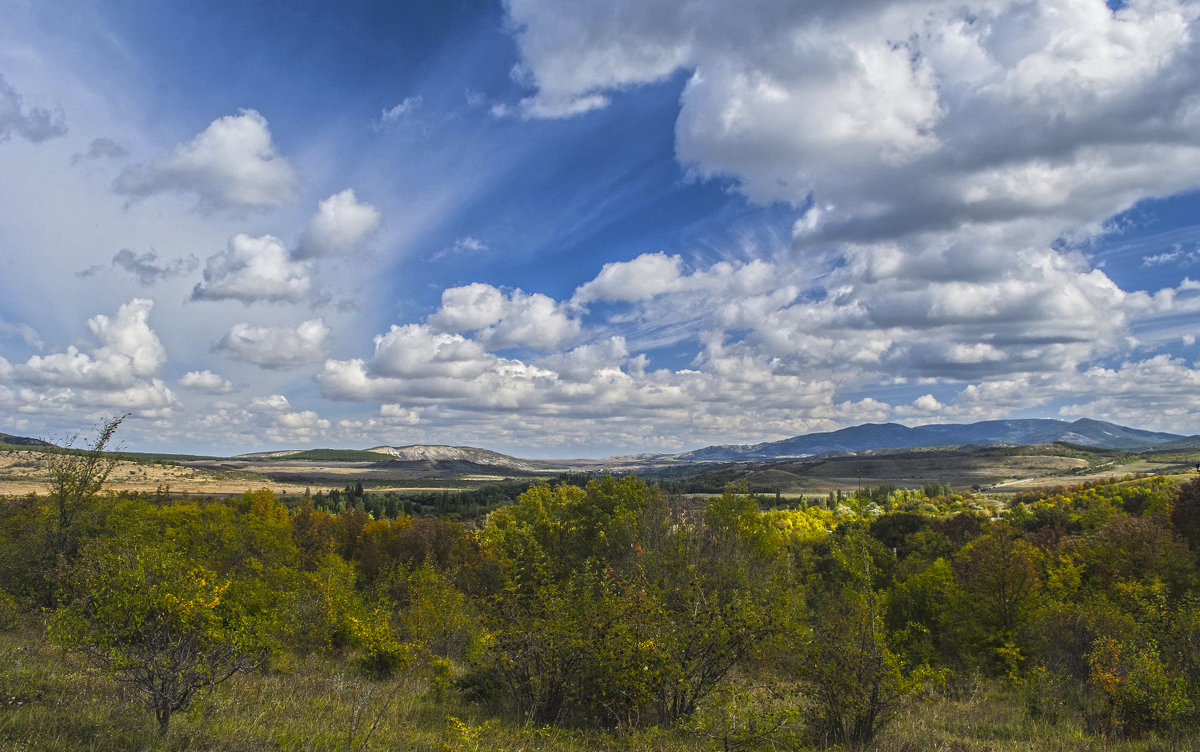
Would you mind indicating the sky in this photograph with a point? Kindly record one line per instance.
(598, 227)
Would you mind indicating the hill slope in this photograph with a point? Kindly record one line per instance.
(7, 438)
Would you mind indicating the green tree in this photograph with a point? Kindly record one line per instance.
(620, 607)
(1138, 692)
(76, 476)
(1185, 512)
(920, 615)
(1000, 575)
(159, 623)
(857, 684)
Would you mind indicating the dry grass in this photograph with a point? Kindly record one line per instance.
(991, 718)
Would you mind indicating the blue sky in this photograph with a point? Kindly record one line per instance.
(581, 229)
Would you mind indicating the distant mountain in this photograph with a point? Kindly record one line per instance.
(442, 453)
(7, 438)
(1086, 432)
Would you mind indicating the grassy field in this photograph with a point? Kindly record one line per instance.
(51, 702)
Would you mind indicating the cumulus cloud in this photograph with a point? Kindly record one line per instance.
(121, 372)
(1159, 393)
(205, 381)
(397, 415)
(276, 347)
(253, 270)
(271, 418)
(414, 362)
(34, 124)
(651, 275)
(898, 117)
(501, 320)
(644, 277)
(284, 422)
(232, 165)
(778, 343)
(342, 224)
(452, 380)
(937, 156)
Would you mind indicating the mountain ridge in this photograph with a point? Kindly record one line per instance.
(1019, 431)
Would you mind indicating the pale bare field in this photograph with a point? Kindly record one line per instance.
(25, 472)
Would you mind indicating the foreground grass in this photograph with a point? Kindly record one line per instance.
(987, 717)
(50, 702)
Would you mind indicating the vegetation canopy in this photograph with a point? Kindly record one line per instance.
(605, 614)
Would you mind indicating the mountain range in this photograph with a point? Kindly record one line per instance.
(1085, 432)
(869, 436)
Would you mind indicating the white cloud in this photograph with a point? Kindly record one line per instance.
(1158, 393)
(894, 116)
(927, 403)
(557, 107)
(276, 347)
(413, 362)
(342, 224)
(502, 320)
(285, 421)
(400, 416)
(416, 351)
(462, 246)
(452, 380)
(34, 124)
(1175, 256)
(205, 381)
(230, 166)
(651, 275)
(271, 418)
(255, 269)
(399, 113)
(644, 277)
(120, 373)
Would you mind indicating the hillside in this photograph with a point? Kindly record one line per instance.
(23, 441)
